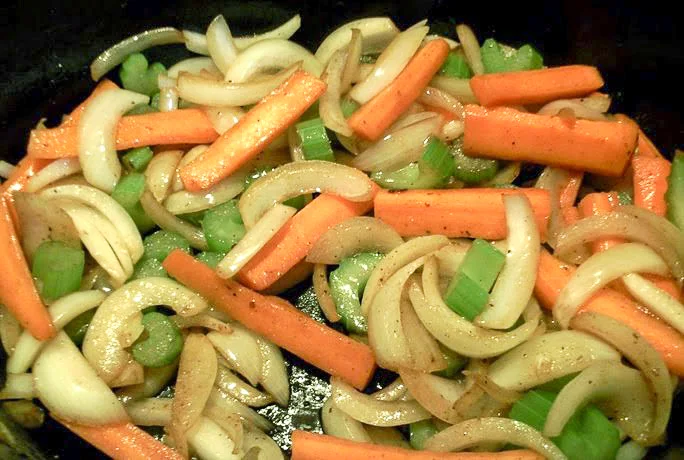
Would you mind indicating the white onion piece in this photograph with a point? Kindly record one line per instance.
(192, 66)
(171, 223)
(395, 391)
(554, 180)
(6, 169)
(62, 311)
(58, 169)
(97, 136)
(108, 207)
(220, 403)
(18, 386)
(155, 380)
(294, 179)
(269, 54)
(329, 103)
(452, 130)
(578, 109)
(656, 300)
(471, 48)
(354, 235)
(132, 372)
(436, 394)
(450, 257)
(362, 72)
(150, 411)
(10, 329)
(353, 61)
(168, 94)
(337, 423)
(631, 450)
(105, 342)
(398, 148)
(389, 64)
(596, 101)
(493, 429)
(161, 171)
(377, 33)
(548, 357)
(202, 320)
(116, 54)
(241, 351)
(255, 239)
(426, 356)
(457, 87)
(262, 446)
(200, 90)
(397, 258)
(183, 202)
(599, 270)
(453, 44)
(273, 372)
(413, 115)
(506, 175)
(196, 42)
(211, 442)
(387, 436)
(322, 291)
(370, 411)
(222, 118)
(294, 144)
(233, 385)
(113, 237)
(220, 43)
(438, 98)
(515, 283)
(283, 31)
(71, 389)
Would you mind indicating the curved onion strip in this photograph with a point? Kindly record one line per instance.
(414, 114)
(171, 223)
(161, 171)
(426, 356)
(457, 87)
(399, 148)
(548, 357)
(233, 385)
(438, 98)
(220, 403)
(132, 373)
(10, 330)
(189, 156)
(386, 333)
(104, 344)
(298, 274)
(393, 392)
(377, 33)
(96, 136)
(337, 423)
(113, 237)
(263, 445)
(168, 99)
(283, 31)
(370, 411)
(599, 270)
(182, 201)
(397, 258)
(387, 436)
(450, 257)
(220, 44)
(389, 64)
(506, 175)
(273, 372)
(255, 239)
(452, 130)
(362, 72)
(459, 334)
(351, 66)
(642, 355)
(115, 55)
(322, 290)
(294, 179)
(241, 351)
(493, 429)
(196, 377)
(200, 90)
(150, 411)
(6, 169)
(211, 442)
(620, 390)
(656, 300)
(71, 389)
(202, 320)
(108, 207)
(471, 48)
(268, 54)
(596, 101)
(358, 234)
(62, 311)
(515, 283)
(329, 103)
(497, 393)
(222, 118)
(631, 450)
(553, 180)
(580, 110)
(192, 66)
(436, 394)
(232, 425)
(294, 145)
(156, 379)
(18, 386)
(195, 42)
(58, 169)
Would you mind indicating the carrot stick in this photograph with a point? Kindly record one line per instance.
(535, 86)
(184, 126)
(644, 145)
(277, 320)
(570, 215)
(293, 241)
(24, 170)
(471, 213)
(17, 290)
(254, 132)
(596, 204)
(123, 442)
(314, 446)
(75, 116)
(553, 275)
(375, 116)
(650, 182)
(602, 147)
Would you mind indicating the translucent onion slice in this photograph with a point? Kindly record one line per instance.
(450, 258)
(202, 320)
(578, 109)
(105, 342)
(370, 411)
(6, 169)
(457, 87)
(294, 179)
(452, 130)
(548, 357)
(351, 66)
(294, 145)
(62, 311)
(220, 403)
(171, 223)
(436, 394)
(337, 423)
(255, 239)
(273, 372)
(387, 436)
(322, 290)
(262, 445)
(156, 379)
(211, 442)
(413, 114)
(18, 386)
(553, 180)
(599, 270)
(233, 385)
(161, 171)
(241, 350)
(656, 300)
(233, 426)
(168, 94)
(514, 286)
(301, 272)
(438, 98)
(471, 48)
(283, 31)
(223, 118)
(272, 53)
(150, 411)
(11, 330)
(192, 66)
(377, 33)
(597, 101)
(358, 234)
(71, 389)
(97, 131)
(493, 429)
(453, 44)
(196, 42)
(183, 202)
(389, 64)
(115, 55)
(395, 391)
(58, 169)
(398, 148)
(426, 356)
(220, 44)
(642, 355)
(329, 103)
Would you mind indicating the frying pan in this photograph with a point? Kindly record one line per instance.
(45, 49)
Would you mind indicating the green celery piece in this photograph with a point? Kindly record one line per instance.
(471, 170)
(147, 268)
(533, 408)
(127, 193)
(482, 264)
(455, 363)
(455, 66)
(437, 157)
(137, 159)
(195, 218)
(495, 59)
(58, 269)
(675, 191)
(346, 285)
(625, 198)
(315, 141)
(223, 227)
(465, 296)
(138, 75)
(210, 258)
(163, 342)
(349, 106)
(76, 328)
(154, 101)
(411, 176)
(419, 432)
(160, 244)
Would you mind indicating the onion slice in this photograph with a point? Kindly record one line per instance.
(6, 169)
(233, 385)
(436, 394)
(273, 372)
(161, 171)
(426, 355)
(58, 169)
(211, 442)
(150, 411)
(456, 87)
(337, 423)
(377, 32)
(329, 103)
(351, 66)
(578, 109)
(183, 202)
(11, 330)
(18, 386)
(471, 48)
(171, 223)
(192, 66)
(220, 403)
(220, 43)
(156, 379)
(283, 31)
(222, 118)
(268, 54)
(241, 350)
(322, 290)
(438, 98)
(257, 441)
(656, 300)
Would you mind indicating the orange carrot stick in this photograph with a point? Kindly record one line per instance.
(184, 126)
(375, 116)
(570, 215)
(535, 86)
(471, 212)
(24, 170)
(75, 116)
(596, 204)
(278, 321)
(646, 148)
(123, 442)
(650, 182)
(314, 446)
(602, 147)
(17, 290)
(553, 275)
(293, 241)
(254, 132)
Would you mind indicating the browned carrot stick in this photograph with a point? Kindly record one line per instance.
(650, 182)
